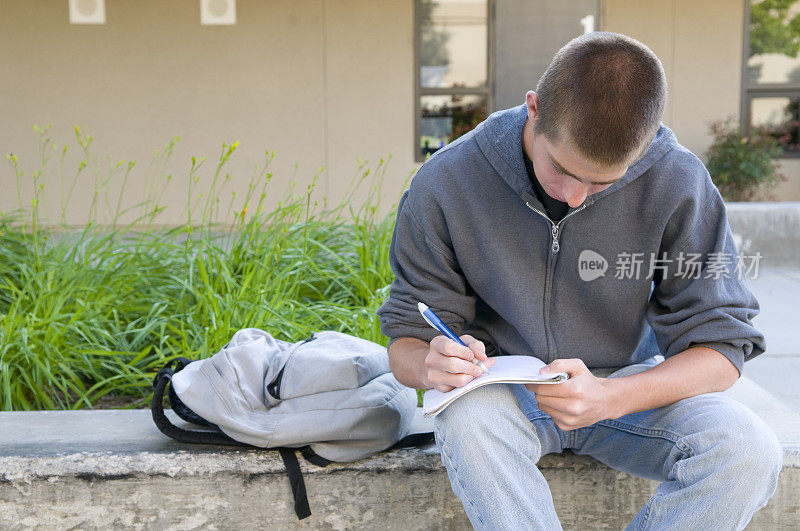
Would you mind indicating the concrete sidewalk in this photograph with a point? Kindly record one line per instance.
(778, 369)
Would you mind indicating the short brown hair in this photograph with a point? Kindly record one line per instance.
(603, 94)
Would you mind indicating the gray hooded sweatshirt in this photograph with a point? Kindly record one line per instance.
(647, 266)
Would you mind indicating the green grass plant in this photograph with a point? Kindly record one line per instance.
(92, 313)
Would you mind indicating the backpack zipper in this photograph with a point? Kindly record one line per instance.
(555, 228)
(274, 387)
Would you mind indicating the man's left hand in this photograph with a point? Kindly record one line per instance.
(580, 401)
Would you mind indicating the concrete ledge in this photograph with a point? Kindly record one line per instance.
(97, 469)
(771, 228)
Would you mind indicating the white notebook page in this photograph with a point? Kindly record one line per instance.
(507, 369)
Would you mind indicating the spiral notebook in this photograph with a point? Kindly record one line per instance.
(507, 369)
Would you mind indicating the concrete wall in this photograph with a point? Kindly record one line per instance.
(113, 469)
(319, 82)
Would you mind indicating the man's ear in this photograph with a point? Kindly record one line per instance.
(532, 101)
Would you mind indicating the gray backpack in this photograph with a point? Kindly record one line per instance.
(332, 396)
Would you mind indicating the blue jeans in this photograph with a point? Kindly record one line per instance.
(717, 461)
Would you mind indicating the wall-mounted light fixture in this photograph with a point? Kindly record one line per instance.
(218, 12)
(87, 11)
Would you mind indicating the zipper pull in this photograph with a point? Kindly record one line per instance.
(555, 245)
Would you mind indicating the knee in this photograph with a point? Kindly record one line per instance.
(761, 457)
(759, 464)
(754, 446)
(477, 409)
(480, 414)
(752, 454)
(487, 421)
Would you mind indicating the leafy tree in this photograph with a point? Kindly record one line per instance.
(772, 30)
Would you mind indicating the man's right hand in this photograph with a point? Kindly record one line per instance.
(449, 365)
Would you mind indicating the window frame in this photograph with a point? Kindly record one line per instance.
(420, 91)
(767, 90)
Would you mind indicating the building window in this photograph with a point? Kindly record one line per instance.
(771, 73)
(452, 71)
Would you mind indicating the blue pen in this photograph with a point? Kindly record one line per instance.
(437, 323)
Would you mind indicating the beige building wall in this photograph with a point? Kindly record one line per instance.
(789, 190)
(700, 46)
(321, 83)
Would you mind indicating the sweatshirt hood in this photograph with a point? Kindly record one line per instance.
(500, 139)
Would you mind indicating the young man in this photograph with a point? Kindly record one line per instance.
(576, 229)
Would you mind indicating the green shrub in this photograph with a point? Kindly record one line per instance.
(91, 314)
(743, 166)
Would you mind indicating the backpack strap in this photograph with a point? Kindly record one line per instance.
(312, 457)
(301, 507)
(179, 407)
(414, 440)
(169, 429)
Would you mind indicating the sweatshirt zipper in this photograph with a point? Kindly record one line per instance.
(555, 228)
(555, 231)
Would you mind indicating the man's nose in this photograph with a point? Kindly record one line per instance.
(576, 194)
